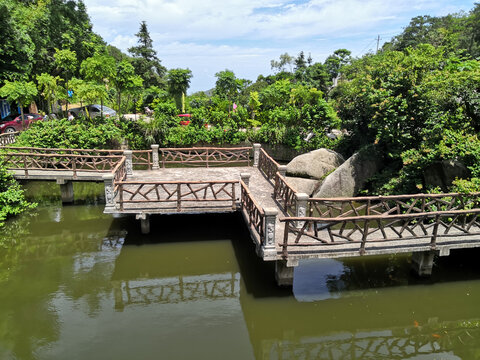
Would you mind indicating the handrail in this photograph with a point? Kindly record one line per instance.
(177, 192)
(267, 164)
(205, 156)
(285, 193)
(254, 212)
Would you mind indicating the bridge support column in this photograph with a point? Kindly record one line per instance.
(269, 251)
(422, 262)
(109, 192)
(301, 203)
(144, 222)
(282, 169)
(284, 272)
(155, 164)
(128, 162)
(66, 190)
(256, 154)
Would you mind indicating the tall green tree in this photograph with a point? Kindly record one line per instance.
(21, 92)
(178, 81)
(335, 62)
(49, 87)
(145, 59)
(66, 61)
(227, 85)
(100, 69)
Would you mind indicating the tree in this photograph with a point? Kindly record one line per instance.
(300, 62)
(279, 66)
(334, 63)
(49, 87)
(125, 80)
(16, 47)
(178, 81)
(21, 92)
(99, 69)
(66, 60)
(145, 59)
(227, 85)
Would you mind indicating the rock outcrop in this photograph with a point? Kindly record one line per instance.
(301, 185)
(315, 164)
(351, 176)
(443, 173)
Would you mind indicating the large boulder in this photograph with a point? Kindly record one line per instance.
(351, 176)
(302, 185)
(443, 173)
(315, 164)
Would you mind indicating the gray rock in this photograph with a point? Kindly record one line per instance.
(301, 185)
(351, 176)
(315, 164)
(443, 173)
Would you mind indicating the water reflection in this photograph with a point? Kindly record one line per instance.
(79, 284)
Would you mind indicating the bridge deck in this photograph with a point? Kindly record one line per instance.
(260, 187)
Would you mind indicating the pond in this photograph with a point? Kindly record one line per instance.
(79, 284)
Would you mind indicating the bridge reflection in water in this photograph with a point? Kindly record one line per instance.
(176, 289)
(382, 319)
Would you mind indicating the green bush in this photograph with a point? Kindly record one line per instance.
(12, 199)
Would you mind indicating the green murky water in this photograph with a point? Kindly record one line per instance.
(78, 284)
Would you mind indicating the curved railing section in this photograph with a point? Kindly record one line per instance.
(353, 223)
(267, 165)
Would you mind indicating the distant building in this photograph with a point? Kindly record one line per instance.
(4, 108)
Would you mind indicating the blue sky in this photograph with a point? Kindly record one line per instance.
(208, 36)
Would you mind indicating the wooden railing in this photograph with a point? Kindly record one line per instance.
(205, 156)
(340, 221)
(253, 211)
(267, 165)
(61, 162)
(142, 158)
(285, 194)
(181, 195)
(8, 138)
(37, 150)
(119, 175)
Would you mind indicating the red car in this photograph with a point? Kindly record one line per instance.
(16, 124)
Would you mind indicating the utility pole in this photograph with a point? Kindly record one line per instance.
(378, 43)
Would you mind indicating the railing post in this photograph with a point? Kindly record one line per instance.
(155, 165)
(268, 243)
(179, 197)
(282, 169)
(245, 178)
(256, 154)
(128, 161)
(74, 167)
(109, 192)
(234, 203)
(301, 203)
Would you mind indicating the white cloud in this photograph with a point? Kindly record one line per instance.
(190, 33)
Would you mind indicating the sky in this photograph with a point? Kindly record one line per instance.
(208, 36)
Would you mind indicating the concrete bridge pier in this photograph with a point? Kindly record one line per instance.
(144, 222)
(284, 272)
(422, 262)
(66, 190)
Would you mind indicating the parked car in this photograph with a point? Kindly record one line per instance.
(8, 118)
(93, 110)
(16, 124)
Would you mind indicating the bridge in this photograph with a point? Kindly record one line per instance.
(285, 226)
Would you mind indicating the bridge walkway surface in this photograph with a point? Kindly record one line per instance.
(285, 226)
